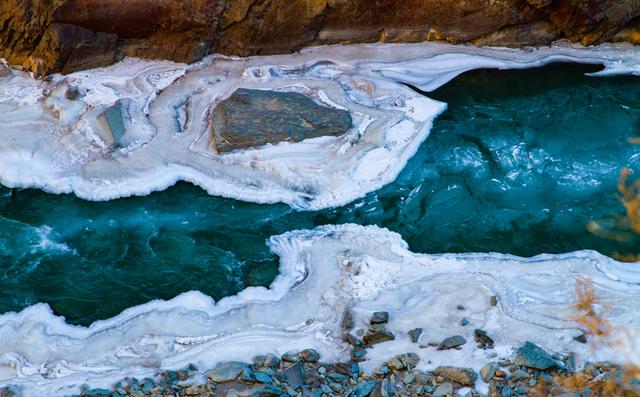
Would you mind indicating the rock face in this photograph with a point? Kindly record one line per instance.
(250, 118)
(67, 35)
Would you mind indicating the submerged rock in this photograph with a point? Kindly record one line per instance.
(251, 118)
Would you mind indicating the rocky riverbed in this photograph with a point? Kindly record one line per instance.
(531, 371)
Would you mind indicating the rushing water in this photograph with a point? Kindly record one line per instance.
(520, 162)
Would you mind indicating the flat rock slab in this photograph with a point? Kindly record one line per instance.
(251, 118)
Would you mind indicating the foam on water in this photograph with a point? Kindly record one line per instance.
(322, 272)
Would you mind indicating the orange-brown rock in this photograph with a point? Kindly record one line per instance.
(66, 35)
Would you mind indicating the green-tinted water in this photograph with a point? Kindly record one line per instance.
(519, 163)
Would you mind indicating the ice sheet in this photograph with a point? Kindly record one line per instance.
(61, 145)
(322, 272)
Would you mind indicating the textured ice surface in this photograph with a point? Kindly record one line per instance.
(322, 272)
(60, 145)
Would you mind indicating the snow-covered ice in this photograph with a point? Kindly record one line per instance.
(63, 145)
(322, 272)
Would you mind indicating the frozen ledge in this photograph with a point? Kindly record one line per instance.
(141, 126)
(322, 272)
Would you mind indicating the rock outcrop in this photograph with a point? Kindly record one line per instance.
(66, 35)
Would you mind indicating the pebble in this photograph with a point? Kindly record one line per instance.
(463, 376)
(414, 334)
(380, 318)
(444, 390)
(488, 371)
(452, 342)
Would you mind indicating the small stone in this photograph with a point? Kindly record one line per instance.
(98, 393)
(74, 93)
(464, 322)
(364, 389)
(482, 339)
(488, 371)
(533, 356)
(582, 338)
(226, 372)
(295, 375)
(460, 307)
(444, 390)
(506, 391)
(463, 376)
(310, 356)
(493, 301)
(347, 320)
(380, 318)
(452, 342)
(4, 72)
(377, 334)
(290, 357)
(358, 353)
(519, 375)
(500, 374)
(414, 334)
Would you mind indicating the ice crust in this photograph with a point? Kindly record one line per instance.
(60, 145)
(322, 272)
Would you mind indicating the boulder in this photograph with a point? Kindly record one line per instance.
(252, 118)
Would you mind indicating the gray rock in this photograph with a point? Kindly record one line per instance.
(295, 375)
(226, 372)
(290, 357)
(452, 342)
(482, 339)
(310, 356)
(364, 389)
(380, 318)
(74, 93)
(463, 376)
(519, 375)
(582, 338)
(377, 334)
(444, 390)
(488, 371)
(262, 377)
(402, 361)
(533, 356)
(250, 118)
(414, 334)
(347, 320)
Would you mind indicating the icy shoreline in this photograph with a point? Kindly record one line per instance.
(322, 272)
(58, 143)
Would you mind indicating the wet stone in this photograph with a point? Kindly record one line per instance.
(452, 342)
(251, 118)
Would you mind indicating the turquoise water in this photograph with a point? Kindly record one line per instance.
(520, 162)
